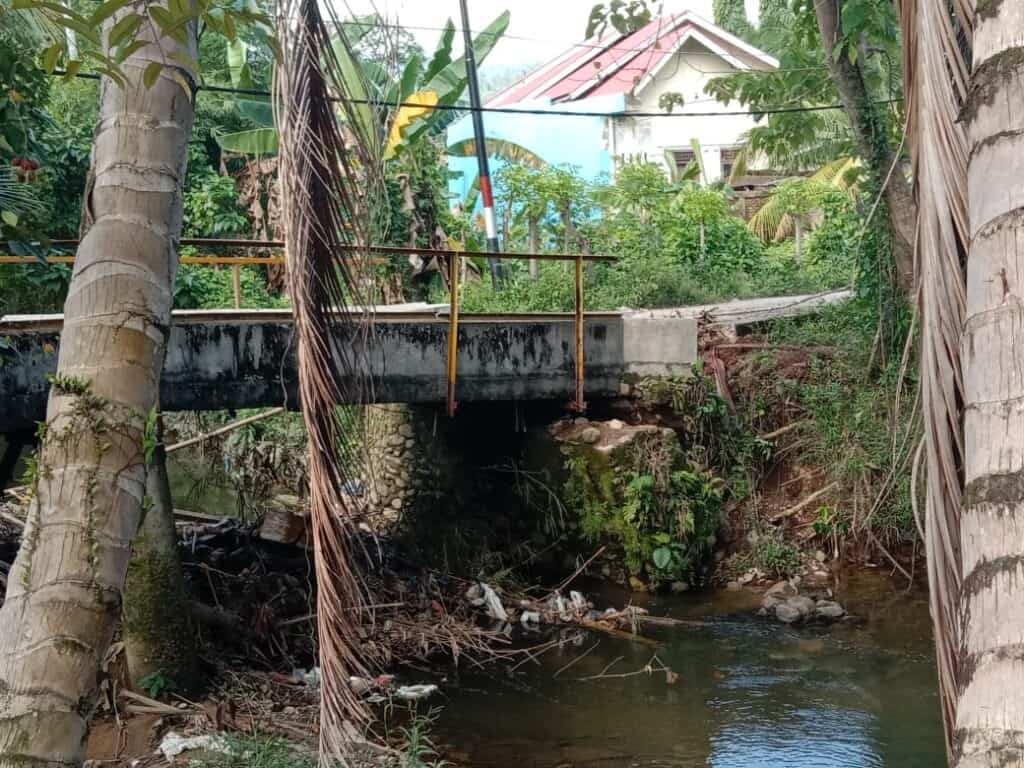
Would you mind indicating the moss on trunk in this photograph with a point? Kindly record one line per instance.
(158, 633)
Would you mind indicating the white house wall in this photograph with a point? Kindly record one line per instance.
(649, 138)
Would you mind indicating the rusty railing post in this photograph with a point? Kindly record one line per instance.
(579, 404)
(453, 329)
(236, 284)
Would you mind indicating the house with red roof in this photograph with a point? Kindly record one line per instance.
(619, 98)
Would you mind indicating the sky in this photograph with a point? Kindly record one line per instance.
(538, 29)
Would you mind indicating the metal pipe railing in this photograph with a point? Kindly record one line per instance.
(454, 260)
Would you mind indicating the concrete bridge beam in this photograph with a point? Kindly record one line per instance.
(229, 359)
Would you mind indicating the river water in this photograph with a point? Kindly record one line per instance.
(749, 692)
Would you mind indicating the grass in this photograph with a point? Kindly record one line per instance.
(857, 432)
(256, 753)
(417, 750)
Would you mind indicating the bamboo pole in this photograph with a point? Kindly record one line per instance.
(236, 284)
(222, 430)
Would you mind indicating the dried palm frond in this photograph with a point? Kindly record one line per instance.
(15, 196)
(329, 168)
(936, 65)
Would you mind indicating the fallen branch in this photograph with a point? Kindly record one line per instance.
(223, 430)
(580, 570)
(312, 616)
(783, 430)
(889, 557)
(576, 659)
(17, 522)
(648, 669)
(805, 503)
(597, 626)
(143, 705)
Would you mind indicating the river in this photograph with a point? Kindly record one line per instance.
(749, 692)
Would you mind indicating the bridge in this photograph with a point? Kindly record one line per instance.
(231, 359)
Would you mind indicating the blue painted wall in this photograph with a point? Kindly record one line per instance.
(577, 140)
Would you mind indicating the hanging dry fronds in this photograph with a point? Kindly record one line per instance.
(329, 169)
(936, 64)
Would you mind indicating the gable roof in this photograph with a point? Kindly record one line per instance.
(619, 64)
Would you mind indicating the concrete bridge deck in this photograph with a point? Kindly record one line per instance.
(230, 359)
(245, 359)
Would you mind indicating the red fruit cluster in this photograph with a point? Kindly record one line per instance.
(26, 168)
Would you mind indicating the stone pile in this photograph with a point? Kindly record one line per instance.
(783, 602)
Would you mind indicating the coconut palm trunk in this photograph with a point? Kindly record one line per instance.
(156, 623)
(65, 588)
(990, 712)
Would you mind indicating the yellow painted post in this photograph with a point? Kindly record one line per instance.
(579, 404)
(453, 329)
(236, 284)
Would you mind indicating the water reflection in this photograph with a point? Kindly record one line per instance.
(749, 694)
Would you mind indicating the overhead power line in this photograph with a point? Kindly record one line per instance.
(520, 110)
(610, 47)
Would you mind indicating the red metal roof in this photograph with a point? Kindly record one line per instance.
(616, 64)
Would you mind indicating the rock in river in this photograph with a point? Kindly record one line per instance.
(829, 609)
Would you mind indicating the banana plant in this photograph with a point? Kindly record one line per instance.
(501, 149)
(445, 78)
(401, 109)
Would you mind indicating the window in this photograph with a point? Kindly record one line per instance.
(728, 161)
(682, 157)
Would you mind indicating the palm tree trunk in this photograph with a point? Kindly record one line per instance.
(65, 589)
(990, 710)
(155, 622)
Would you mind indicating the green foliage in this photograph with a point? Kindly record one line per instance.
(830, 521)
(850, 397)
(773, 555)
(661, 510)
(33, 288)
(211, 207)
(199, 286)
(249, 464)
(712, 435)
(253, 752)
(68, 385)
(23, 93)
(418, 747)
(731, 15)
(702, 204)
(150, 435)
(662, 501)
(48, 22)
(802, 141)
(729, 247)
(799, 197)
(624, 16)
(67, 141)
(156, 684)
(654, 230)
